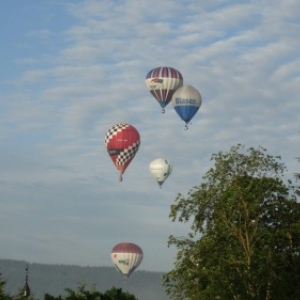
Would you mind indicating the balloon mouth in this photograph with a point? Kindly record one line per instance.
(121, 170)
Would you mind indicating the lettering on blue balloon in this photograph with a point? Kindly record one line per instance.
(185, 101)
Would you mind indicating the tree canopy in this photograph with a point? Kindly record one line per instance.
(297, 175)
(84, 294)
(81, 294)
(244, 239)
(3, 295)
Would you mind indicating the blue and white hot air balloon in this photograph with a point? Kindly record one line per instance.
(186, 101)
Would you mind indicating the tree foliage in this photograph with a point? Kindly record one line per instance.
(3, 295)
(297, 175)
(84, 294)
(81, 294)
(245, 228)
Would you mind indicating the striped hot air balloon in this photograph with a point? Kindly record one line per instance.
(126, 257)
(122, 142)
(162, 82)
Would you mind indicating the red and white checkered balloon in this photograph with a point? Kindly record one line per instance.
(122, 142)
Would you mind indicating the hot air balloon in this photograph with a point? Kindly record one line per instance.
(162, 82)
(126, 257)
(122, 143)
(186, 102)
(160, 169)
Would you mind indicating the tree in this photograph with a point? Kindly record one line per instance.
(83, 294)
(118, 294)
(50, 297)
(245, 227)
(297, 175)
(3, 294)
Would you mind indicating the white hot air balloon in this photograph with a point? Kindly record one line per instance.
(160, 169)
(126, 257)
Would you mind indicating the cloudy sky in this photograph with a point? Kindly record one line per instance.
(71, 69)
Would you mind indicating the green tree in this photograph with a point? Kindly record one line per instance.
(297, 175)
(83, 294)
(117, 294)
(50, 297)
(3, 294)
(245, 229)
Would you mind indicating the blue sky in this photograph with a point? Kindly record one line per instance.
(72, 69)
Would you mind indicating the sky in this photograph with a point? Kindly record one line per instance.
(72, 69)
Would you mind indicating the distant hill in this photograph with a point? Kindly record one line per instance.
(54, 279)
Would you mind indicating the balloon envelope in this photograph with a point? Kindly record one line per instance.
(122, 143)
(160, 169)
(162, 82)
(126, 257)
(186, 102)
